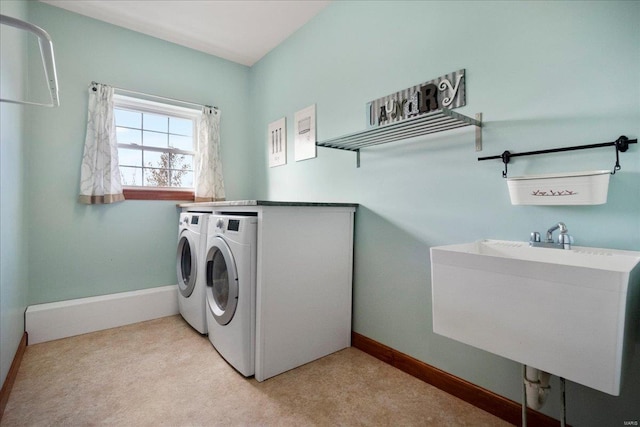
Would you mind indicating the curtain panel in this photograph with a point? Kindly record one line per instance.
(209, 184)
(100, 173)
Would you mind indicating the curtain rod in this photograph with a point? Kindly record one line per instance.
(133, 92)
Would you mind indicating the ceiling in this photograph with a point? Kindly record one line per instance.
(241, 31)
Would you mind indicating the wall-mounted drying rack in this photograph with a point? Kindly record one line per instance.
(46, 52)
(436, 121)
(621, 144)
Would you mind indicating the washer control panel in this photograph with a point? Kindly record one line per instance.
(192, 221)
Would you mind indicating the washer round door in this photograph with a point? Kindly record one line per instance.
(222, 282)
(187, 265)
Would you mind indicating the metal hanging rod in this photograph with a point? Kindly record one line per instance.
(163, 98)
(621, 144)
(48, 61)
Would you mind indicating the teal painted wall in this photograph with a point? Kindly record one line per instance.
(78, 250)
(13, 227)
(544, 74)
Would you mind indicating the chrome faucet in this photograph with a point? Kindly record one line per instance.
(564, 239)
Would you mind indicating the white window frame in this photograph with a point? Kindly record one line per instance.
(147, 106)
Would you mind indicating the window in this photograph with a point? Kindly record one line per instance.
(155, 148)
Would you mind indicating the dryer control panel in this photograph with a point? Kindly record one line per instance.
(234, 225)
(239, 229)
(231, 224)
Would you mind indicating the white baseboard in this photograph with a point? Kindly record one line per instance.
(55, 320)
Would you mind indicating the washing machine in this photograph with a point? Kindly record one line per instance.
(192, 236)
(231, 289)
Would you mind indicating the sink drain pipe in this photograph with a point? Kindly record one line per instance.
(535, 391)
(536, 383)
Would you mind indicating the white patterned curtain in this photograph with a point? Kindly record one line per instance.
(208, 167)
(100, 174)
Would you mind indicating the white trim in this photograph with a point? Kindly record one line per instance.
(156, 149)
(140, 187)
(55, 320)
(147, 106)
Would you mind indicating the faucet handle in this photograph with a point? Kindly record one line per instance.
(535, 237)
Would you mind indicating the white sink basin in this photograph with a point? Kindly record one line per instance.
(568, 312)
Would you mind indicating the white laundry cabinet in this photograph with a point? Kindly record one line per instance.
(304, 279)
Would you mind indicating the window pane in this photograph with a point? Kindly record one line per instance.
(155, 139)
(156, 159)
(181, 162)
(130, 119)
(127, 157)
(131, 176)
(181, 174)
(180, 126)
(141, 165)
(156, 177)
(181, 142)
(156, 122)
(187, 161)
(186, 180)
(128, 136)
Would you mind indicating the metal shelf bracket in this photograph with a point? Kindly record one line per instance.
(479, 132)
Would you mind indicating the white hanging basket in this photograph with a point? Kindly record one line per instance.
(575, 188)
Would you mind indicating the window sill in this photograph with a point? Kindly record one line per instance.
(137, 193)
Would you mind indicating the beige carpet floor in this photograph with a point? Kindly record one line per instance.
(162, 372)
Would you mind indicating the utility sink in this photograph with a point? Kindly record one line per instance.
(572, 313)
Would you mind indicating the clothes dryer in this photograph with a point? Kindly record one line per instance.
(231, 289)
(192, 235)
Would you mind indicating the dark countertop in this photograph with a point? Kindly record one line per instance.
(265, 203)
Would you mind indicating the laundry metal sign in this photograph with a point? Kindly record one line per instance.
(446, 91)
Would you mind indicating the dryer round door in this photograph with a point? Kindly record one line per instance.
(222, 281)
(187, 264)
